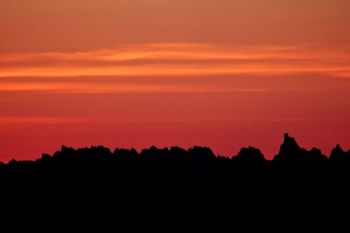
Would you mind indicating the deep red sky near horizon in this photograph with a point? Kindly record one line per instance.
(223, 74)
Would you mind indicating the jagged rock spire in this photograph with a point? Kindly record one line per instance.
(289, 146)
(338, 154)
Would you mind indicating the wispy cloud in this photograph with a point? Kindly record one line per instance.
(169, 59)
(165, 59)
(96, 88)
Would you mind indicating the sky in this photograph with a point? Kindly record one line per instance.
(223, 74)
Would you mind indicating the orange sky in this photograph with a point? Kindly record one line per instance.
(223, 74)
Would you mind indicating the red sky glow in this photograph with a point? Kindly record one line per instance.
(223, 74)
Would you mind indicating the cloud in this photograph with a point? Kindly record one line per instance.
(96, 88)
(163, 60)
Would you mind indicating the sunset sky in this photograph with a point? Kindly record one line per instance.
(135, 73)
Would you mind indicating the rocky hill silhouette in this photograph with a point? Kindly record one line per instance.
(176, 186)
(176, 170)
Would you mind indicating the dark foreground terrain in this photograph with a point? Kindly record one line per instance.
(178, 171)
(296, 180)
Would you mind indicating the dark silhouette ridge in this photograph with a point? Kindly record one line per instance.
(164, 185)
(291, 152)
(197, 170)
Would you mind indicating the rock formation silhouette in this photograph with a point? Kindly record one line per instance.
(164, 185)
(176, 170)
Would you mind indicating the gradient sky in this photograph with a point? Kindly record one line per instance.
(223, 74)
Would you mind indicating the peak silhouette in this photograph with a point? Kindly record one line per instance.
(289, 145)
(250, 155)
(340, 156)
(337, 151)
(289, 150)
(291, 153)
